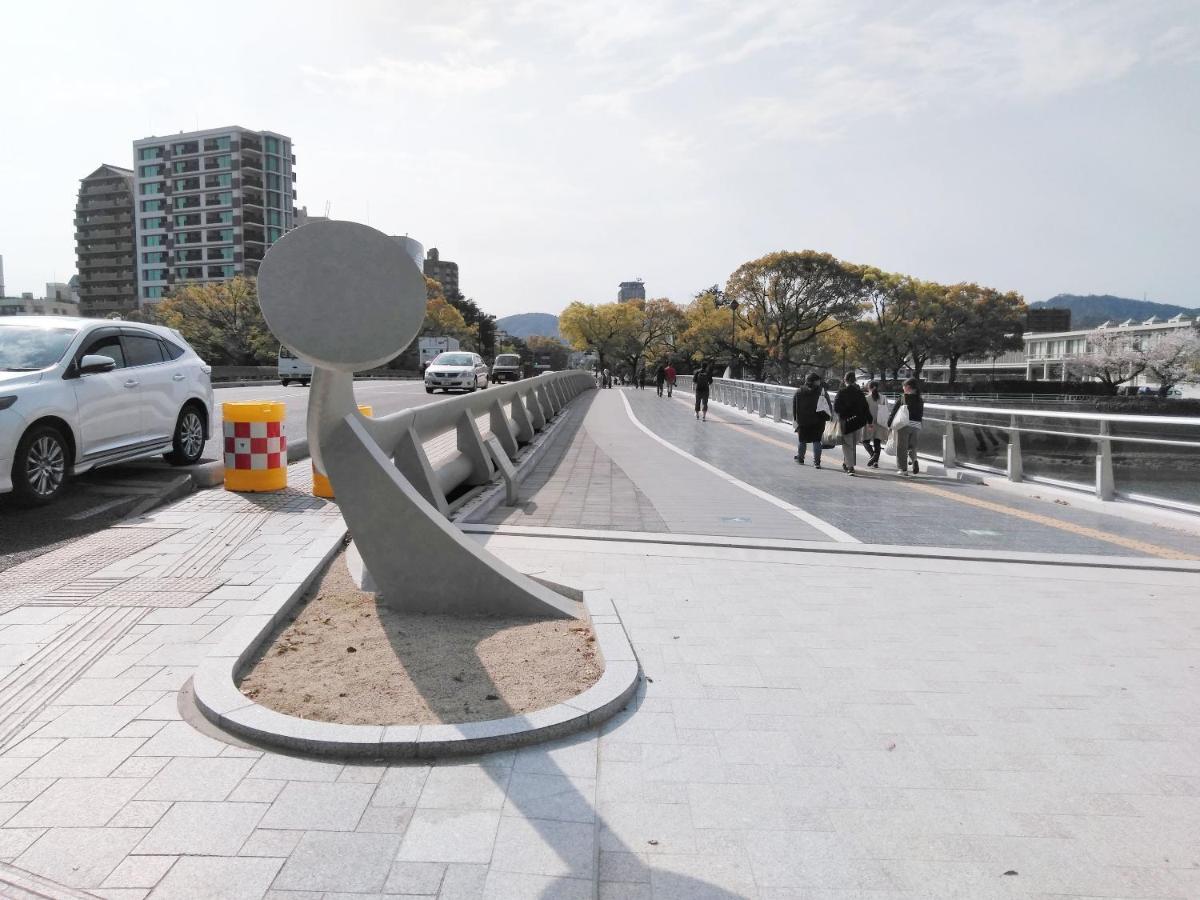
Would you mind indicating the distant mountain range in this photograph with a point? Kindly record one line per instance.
(525, 325)
(1094, 309)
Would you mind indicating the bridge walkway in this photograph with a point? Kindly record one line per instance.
(633, 461)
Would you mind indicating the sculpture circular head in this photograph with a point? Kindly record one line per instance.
(341, 295)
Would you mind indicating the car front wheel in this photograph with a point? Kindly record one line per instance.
(188, 442)
(40, 467)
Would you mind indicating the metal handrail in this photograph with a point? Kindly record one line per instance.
(768, 400)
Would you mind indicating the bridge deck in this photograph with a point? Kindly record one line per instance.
(633, 461)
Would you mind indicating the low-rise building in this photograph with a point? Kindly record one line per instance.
(28, 305)
(631, 290)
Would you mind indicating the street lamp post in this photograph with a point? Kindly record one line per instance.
(733, 308)
(843, 359)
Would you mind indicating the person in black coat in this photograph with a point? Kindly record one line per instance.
(852, 408)
(701, 382)
(810, 411)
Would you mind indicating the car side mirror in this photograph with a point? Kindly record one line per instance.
(93, 363)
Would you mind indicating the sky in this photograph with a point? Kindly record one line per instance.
(554, 148)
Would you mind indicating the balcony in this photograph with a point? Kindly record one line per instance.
(252, 218)
(184, 166)
(122, 201)
(95, 234)
(252, 198)
(252, 181)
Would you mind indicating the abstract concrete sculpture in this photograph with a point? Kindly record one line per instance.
(346, 297)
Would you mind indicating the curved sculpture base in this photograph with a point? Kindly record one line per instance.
(419, 561)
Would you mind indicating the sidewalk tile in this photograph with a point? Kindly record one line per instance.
(306, 805)
(189, 828)
(79, 857)
(217, 878)
(332, 862)
(78, 802)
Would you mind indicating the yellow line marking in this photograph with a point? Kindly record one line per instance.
(1069, 527)
(1081, 530)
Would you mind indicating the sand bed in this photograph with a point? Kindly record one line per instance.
(346, 659)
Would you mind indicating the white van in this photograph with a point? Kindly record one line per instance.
(292, 368)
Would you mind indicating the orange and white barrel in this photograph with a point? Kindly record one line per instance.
(255, 446)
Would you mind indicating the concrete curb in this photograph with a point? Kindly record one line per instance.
(494, 494)
(212, 473)
(218, 698)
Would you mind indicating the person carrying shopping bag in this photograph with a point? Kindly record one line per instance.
(876, 433)
(851, 407)
(905, 422)
(810, 411)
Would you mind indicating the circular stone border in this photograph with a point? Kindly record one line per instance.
(218, 698)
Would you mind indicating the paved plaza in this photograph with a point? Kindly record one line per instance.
(853, 688)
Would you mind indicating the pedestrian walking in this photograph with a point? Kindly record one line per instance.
(876, 433)
(851, 407)
(660, 378)
(607, 379)
(641, 378)
(671, 376)
(905, 421)
(701, 382)
(810, 412)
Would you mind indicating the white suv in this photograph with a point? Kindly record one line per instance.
(79, 393)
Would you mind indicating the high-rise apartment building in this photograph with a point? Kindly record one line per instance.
(631, 290)
(442, 271)
(104, 243)
(209, 204)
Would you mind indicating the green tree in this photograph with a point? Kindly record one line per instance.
(791, 298)
(606, 329)
(221, 320)
(551, 351)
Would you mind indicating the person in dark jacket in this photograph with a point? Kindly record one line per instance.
(810, 412)
(851, 407)
(700, 384)
(660, 378)
(906, 435)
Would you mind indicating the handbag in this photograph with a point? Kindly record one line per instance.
(854, 423)
(832, 435)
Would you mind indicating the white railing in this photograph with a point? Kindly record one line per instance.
(516, 412)
(1001, 434)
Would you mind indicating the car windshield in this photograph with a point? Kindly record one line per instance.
(453, 359)
(508, 359)
(27, 348)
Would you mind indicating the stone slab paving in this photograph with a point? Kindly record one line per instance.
(879, 507)
(807, 728)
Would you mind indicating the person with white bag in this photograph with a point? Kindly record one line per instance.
(876, 433)
(905, 422)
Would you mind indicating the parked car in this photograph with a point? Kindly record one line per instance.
(80, 393)
(507, 367)
(293, 368)
(456, 370)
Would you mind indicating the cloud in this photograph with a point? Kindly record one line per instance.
(432, 78)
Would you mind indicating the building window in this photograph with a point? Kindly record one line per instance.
(156, 257)
(150, 153)
(153, 187)
(185, 220)
(152, 206)
(154, 240)
(154, 222)
(274, 217)
(273, 199)
(154, 274)
(152, 293)
(150, 171)
(272, 164)
(225, 179)
(224, 236)
(225, 198)
(217, 143)
(271, 144)
(224, 217)
(273, 234)
(185, 147)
